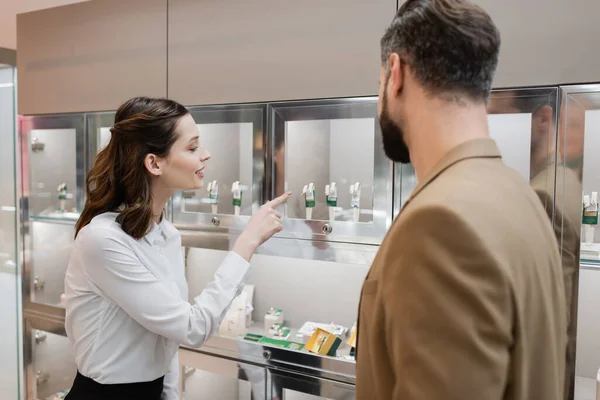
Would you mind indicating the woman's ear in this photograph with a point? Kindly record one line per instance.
(153, 165)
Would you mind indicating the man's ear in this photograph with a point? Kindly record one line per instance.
(396, 71)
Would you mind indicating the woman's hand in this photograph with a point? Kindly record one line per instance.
(264, 224)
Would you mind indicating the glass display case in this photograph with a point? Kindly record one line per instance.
(577, 220)
(235, 174)
(328, 154)
(49, 360)
(290, 334)
(52, 187)
(206, 376)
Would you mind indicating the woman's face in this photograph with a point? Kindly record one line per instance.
(183, 168)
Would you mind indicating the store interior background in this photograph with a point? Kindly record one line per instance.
(560, 50)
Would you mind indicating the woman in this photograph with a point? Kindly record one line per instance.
(126, 294)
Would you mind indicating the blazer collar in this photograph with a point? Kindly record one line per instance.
(477, 148)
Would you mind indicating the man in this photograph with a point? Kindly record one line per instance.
(465, 299)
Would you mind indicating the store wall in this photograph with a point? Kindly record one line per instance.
(8, 17)
(546, 42)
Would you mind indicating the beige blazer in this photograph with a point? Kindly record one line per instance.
(465, 299)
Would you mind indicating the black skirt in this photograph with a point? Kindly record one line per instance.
(88, 389)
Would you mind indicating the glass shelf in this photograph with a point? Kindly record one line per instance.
(56, 216)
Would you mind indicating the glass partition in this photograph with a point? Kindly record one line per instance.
(578, 184)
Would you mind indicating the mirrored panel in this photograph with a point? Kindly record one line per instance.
(234, 175)
(207, 377)
(328, 154)
(523, 125)
(52, 162)
(53, 368)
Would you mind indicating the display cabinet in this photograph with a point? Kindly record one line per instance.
(290, 333)
(328, 153)
(577, 175)
(52, 187)
(234, 178)
(211, 377)
(48, 359)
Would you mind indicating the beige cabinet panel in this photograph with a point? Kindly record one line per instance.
(91, 56)
(546, 42)
(231, 51)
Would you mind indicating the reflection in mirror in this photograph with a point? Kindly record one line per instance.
(53, 166)
(324, 152)
(231, 162)
(512, 134)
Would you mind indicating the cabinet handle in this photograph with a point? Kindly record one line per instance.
(41, 377)
(188, 371)
(38, 284)
(39, 337)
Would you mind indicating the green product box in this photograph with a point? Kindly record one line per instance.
(281, 343)
(253, 337)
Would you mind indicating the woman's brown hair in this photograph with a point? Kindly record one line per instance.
(119, 181)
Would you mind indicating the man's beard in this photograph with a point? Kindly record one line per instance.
(393, 137)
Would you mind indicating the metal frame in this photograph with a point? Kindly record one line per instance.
(243, 113)
(340, 231)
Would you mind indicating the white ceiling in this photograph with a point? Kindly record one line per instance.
(8, 16)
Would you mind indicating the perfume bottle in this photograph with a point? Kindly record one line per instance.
(213, 195)
(62, 197)
(236, 192)
(331, 196)
(309, 199)
(590, 217)
(355, 201)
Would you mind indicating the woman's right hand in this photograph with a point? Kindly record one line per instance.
(264, 224)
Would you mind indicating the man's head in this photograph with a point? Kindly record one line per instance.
(434, 49)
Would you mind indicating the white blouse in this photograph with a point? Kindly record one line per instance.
(126, 303)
